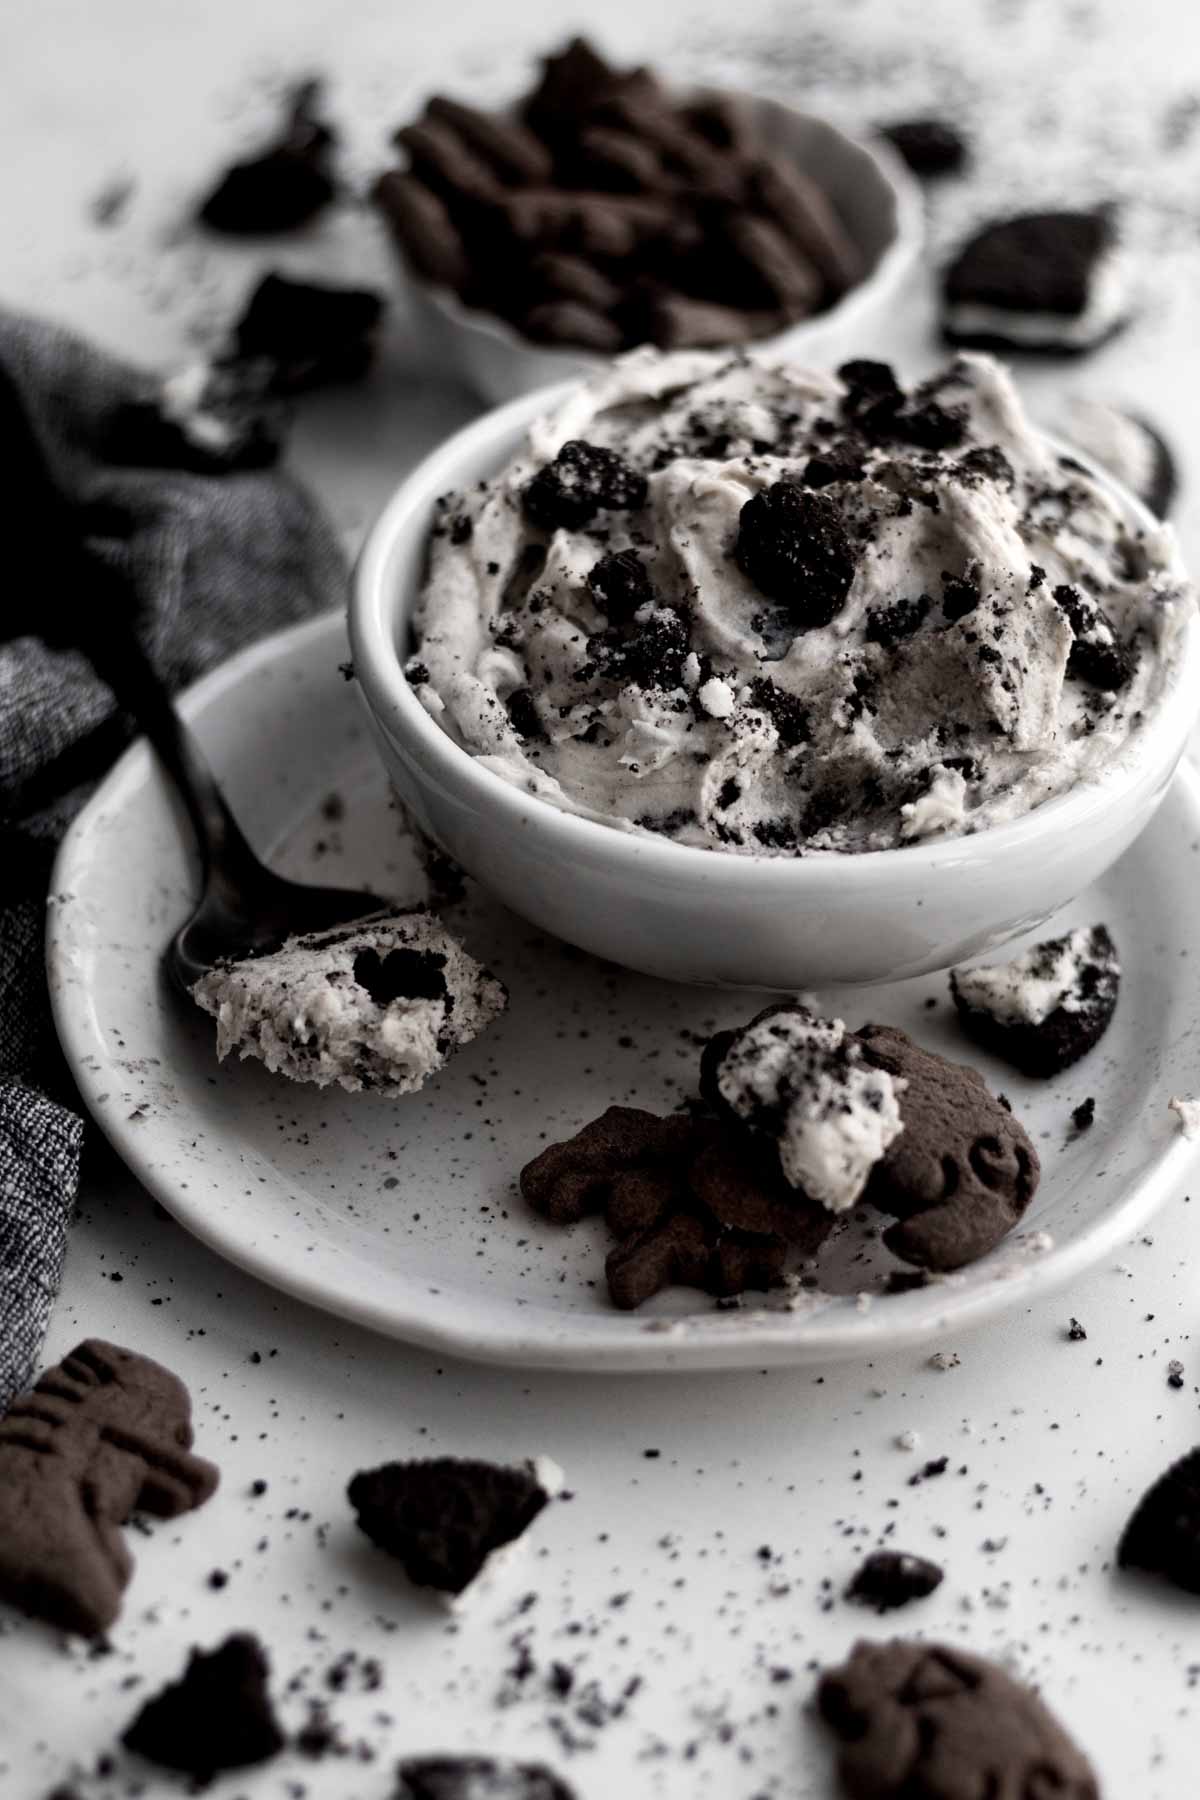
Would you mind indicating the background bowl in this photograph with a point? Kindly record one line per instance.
(710, 916)
(873, 193)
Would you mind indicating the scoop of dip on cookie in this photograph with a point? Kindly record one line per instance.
(763, 610)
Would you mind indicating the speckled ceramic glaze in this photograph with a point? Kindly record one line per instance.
(404, 1215)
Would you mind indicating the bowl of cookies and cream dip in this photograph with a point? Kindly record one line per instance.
(735, 671)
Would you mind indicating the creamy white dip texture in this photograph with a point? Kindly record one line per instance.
(769, 611)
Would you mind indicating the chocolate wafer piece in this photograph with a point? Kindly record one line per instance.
(422, 225)
(573, 278)
(685, 152)
(603, 225)
(783, 274)
(619, 161)
(677, 322)
(443, 160)
(571, 322)
(807, 216)
(510, 147)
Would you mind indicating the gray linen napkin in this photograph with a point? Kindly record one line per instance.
(209, 561)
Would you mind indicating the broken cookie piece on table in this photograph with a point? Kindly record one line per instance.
(380, 1004)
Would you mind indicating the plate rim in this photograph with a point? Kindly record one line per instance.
(746, 1337)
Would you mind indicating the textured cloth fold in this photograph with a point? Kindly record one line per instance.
(208, 562)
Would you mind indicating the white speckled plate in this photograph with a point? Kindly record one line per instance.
(404, 1215)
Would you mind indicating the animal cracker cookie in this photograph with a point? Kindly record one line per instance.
(963, 1170)
(690, 1202)
(102, 1433)
(926, 1722)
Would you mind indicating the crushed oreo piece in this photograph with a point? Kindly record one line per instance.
(1083, 1116)
(1097, 655)
(218, 1715)
(891, 1578)
(401, 974)
(443, 1518)
(523, 713)
(1027, 283)
(208, 418)
(310, 333)
(1163, 1535)
(960, 595)
(286, 184)
(1075, 1332)
(890, 625)
(582, 481)
(1047, 1008)
(930, 147)
(788, 714)
(620, 584)
(793, 545)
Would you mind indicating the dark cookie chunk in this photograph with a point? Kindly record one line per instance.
(987, 462)
(960, 595)
(1032, 277)
(212, 419)
(793, 545)
(1090, 988)
(876, 404)
(839, 463)
(891, 625)
(582, 481)
(526, 720)
(286, 185)
(929, 146)
(928, 1722)
(1163, 1536)
(961, 1173)
(477, 1778)
(619, 584)
(309, 332)
(788, 715)
(1097, 656)
(651, 657)
(101, 1434)
(218, 1715)
(891, 1578)
(443, 1518)
(401, 974)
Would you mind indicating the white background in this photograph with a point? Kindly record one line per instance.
(1055, 1439)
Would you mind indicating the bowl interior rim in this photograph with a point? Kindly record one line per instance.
(379, 612)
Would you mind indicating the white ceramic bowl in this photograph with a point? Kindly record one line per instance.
(874, 195)
(707, 915)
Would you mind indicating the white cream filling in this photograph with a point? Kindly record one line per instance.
(1021, 991)
(1107, 304)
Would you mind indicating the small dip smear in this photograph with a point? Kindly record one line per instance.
(380, 1004)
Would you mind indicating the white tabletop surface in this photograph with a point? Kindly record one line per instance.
(659, 1566)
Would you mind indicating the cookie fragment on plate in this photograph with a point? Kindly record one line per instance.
(1050, 281)
(218, 1715)
(380, 1004)
(448, 1519)
(1163, 1535)
(477, 1778)
(102, 1433)
(286, 184)
(962, 1171)
(929, 1722)
(891, 1578)
(1045, 1009)
(930, 147)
